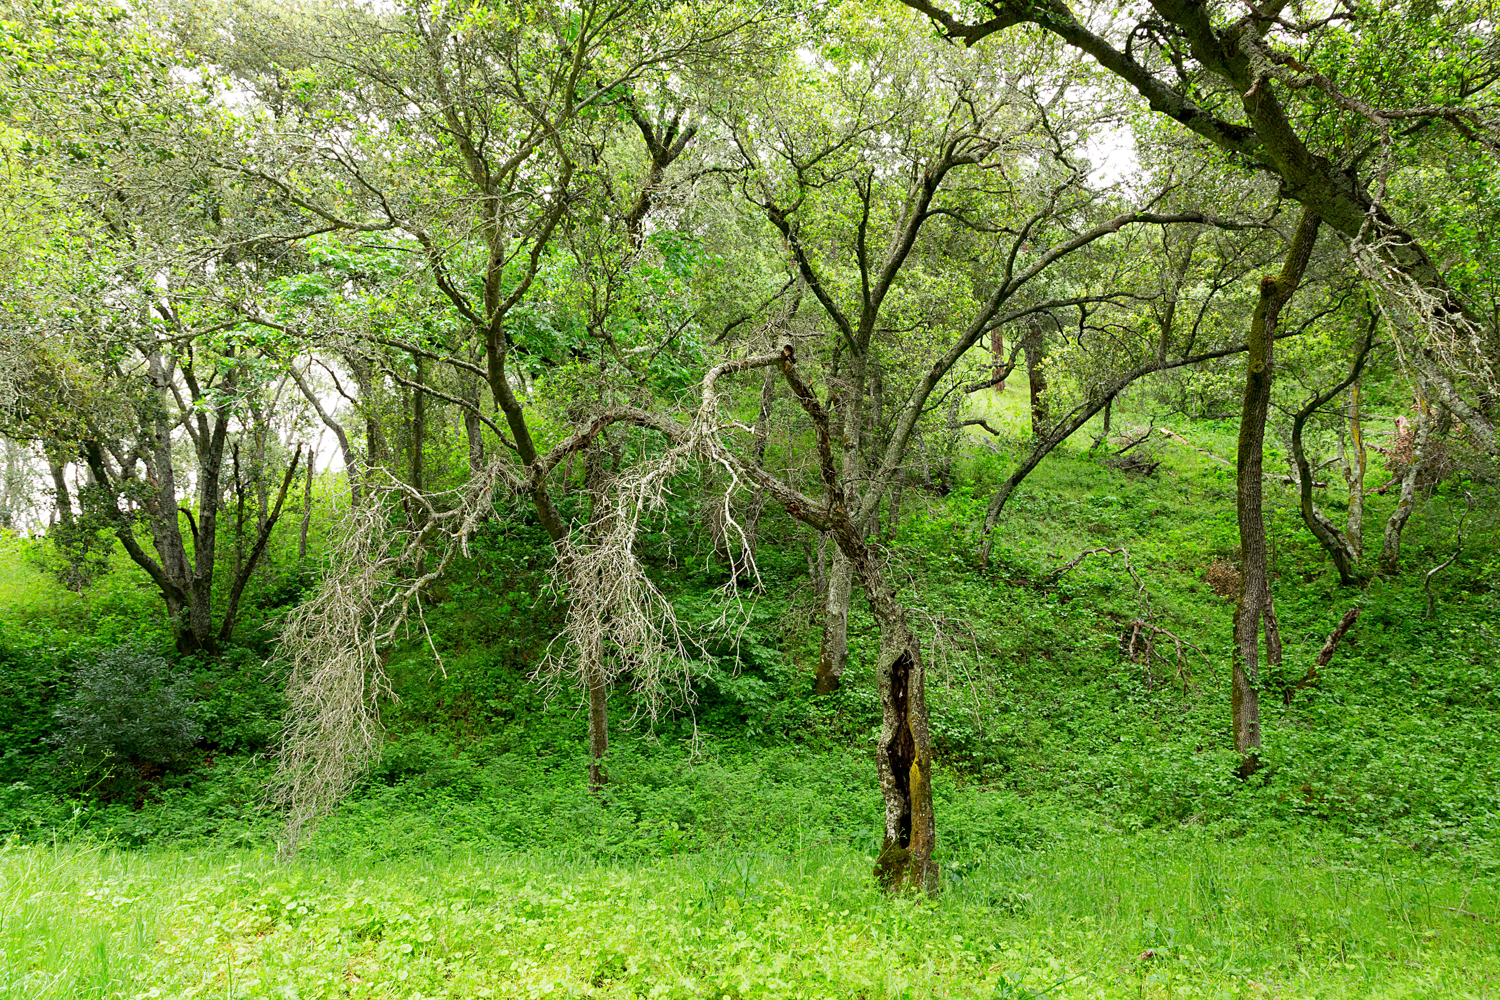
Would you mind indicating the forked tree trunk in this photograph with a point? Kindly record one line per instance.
(1255, 609)
(1390, 549)
(904, 751)
(1343, 553)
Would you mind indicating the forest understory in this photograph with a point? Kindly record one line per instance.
(1096, 840)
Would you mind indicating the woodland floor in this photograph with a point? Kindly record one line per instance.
(1095, 843)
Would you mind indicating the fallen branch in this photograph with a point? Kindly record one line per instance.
(980, 421)
(1273, 477)
(1144, 435)
(1143, 636)
(1468, 913)
(1071, 565)
(1325, 655)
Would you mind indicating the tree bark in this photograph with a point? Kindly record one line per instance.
(312, 458)
(1255, 609)
(833, 655)
(758, 452)
(904, 751)
(62, 498)
(1352, 461)
(598, 727)
(1034, 345)
(1344, 555)
(1389, 562)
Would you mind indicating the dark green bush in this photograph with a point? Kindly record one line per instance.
(125, 712)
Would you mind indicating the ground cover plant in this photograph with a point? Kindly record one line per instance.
(716, 500)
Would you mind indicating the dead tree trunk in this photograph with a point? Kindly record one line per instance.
(1255, 609)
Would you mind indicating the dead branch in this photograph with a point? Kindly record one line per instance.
(1143, 635)
(1072, 564)
(1325, 655)
(1457, 548)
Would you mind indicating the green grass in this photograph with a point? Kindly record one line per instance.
(1101, 916)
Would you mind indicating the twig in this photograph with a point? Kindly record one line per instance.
(1457, 548)
(1468, 913)
(1142, 633)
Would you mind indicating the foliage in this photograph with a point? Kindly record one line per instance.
(126, 711)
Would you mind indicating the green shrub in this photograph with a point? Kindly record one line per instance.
(125, 711)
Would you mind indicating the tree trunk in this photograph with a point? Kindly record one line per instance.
(62, 498)
(1344, 555)
(1390, 550)
(1255, 609)
(1352, 461)
(418, 429)
(1034, 346)
(997, 359)
(758, 452)
(598, 728)
(312, 460)
(904, 751)
(473, 430)
(833, 655)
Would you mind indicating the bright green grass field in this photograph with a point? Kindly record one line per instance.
(1160, 915)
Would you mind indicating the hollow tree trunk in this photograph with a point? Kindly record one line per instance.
(1254, 609)
(904, 750)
